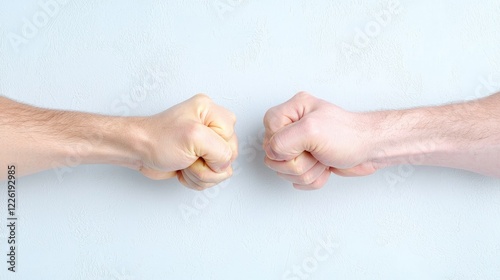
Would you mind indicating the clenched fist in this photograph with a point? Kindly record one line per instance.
(193, 140)
(308, 138)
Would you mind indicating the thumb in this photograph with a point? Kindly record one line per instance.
(291, 141)
(363, 169)
(210, 146)
(157, 174)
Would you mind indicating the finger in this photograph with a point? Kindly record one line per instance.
(186, 181)
(307, 178)
(156, 174)
(297, 166)
(287, 113)
(195, 183)
(182, 180)
(233, 143)
(221, 120)
(291, 141)
(363, 169)
(200, 173)
(316, 185)
(207, 144)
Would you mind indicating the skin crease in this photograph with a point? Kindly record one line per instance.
(193, 141)
(307, 139)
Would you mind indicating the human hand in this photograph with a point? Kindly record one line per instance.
(308, 138)
(193, 140)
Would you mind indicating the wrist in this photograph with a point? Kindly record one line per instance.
(414, 136)
(108, 140)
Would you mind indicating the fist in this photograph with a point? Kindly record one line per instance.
(308, 138)
(193, 140)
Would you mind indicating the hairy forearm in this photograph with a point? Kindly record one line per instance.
(37, 139)
(464, 136)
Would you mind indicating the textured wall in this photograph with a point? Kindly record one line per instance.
(140, 57)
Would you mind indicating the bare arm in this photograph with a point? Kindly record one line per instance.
(193, 140)
(308, 138)
(37, 139)
(463, 135)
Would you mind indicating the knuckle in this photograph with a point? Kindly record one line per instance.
(317, 184)
(201, 175)
(270, 119)
(234, 154)
(303, 95)
(298, 166)
(268, 115)
(202, 97)
(269, 163)
(299, 187)
(227, 132)
(227, 155)
(276, 144)
(310, 127)
(232, 118)
(201, 100)
(297, 169)
(201, 184)
(154, 177)
(193, 133)
(307, 179)
(229, 172)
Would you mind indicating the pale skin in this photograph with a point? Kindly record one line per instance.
(193, 141)
(307, 139)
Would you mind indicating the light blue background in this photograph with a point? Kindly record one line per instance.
(106, 222)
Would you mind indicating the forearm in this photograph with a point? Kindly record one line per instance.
(464, 136)
(36, 139)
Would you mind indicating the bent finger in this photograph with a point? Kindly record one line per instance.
(199, 172)
(156, 174)
(316, 185)
(208, 145)
(221, 120)
(307, 178)
(363, 169)
(297, 166)
(288, 112)
(194, 182)
(233, 144)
